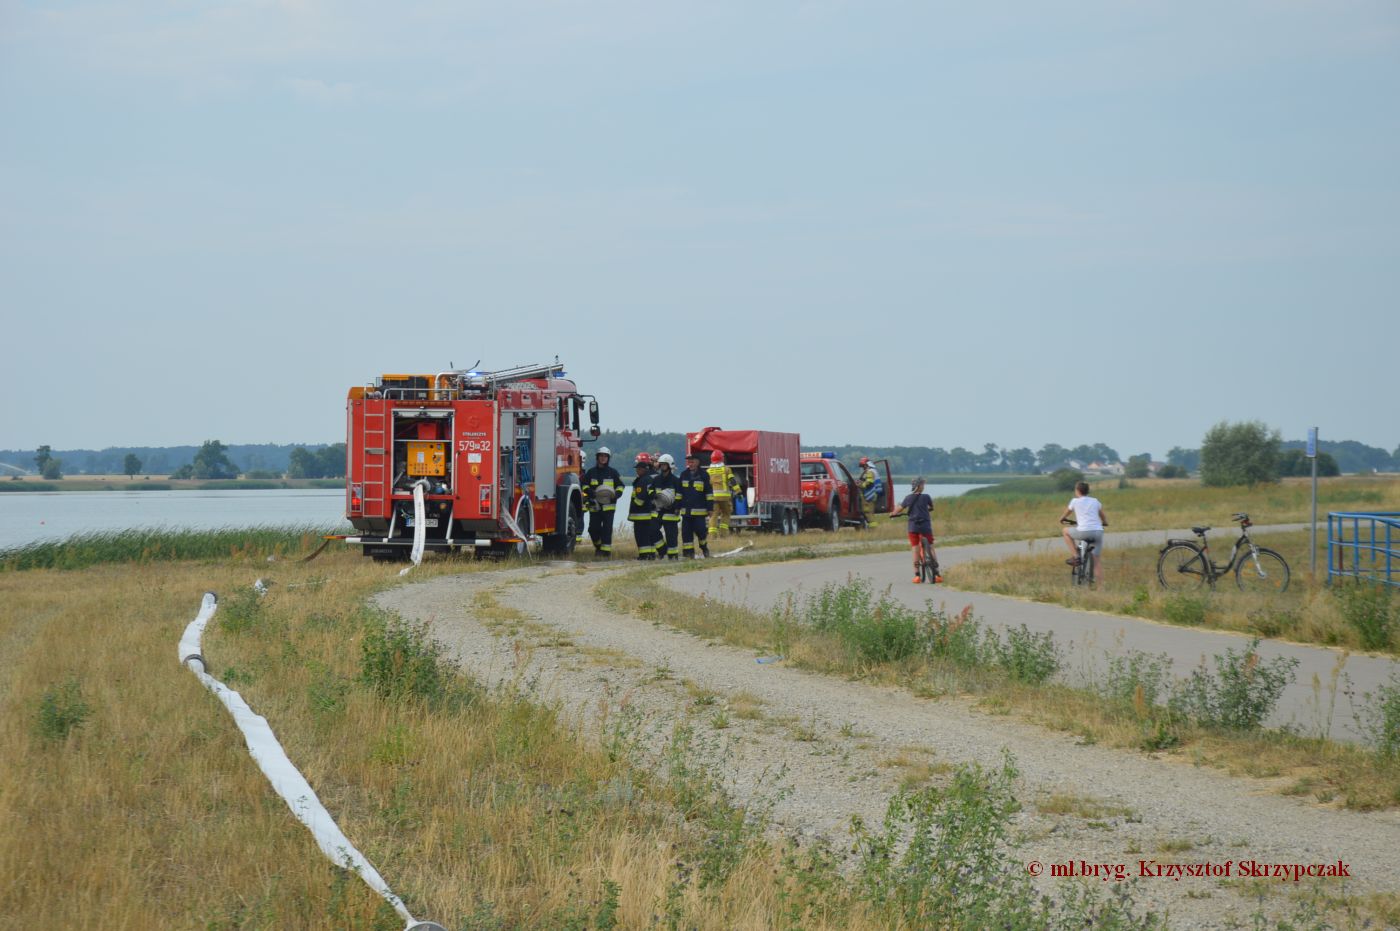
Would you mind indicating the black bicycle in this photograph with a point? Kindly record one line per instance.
(1081, 570)
(928, 566)
(1185, 564)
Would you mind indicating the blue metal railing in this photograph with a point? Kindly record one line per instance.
(1364, 545)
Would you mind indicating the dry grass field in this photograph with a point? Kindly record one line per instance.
(128, 799)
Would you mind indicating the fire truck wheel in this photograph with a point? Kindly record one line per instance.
(562, 543)
(833, 515)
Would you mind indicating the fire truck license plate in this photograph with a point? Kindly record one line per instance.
(427, 522)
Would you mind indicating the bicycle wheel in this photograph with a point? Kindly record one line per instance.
(1268, 572)
(1087, 569)
(926, 568)
(1181, 567)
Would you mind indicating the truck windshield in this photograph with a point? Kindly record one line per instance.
(813, 470)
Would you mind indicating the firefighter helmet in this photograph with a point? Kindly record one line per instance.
(643, 459)
(604, 451)
(666, 459)
(716, 457)
(865, 460)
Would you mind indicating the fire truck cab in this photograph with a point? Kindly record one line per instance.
(495, 456)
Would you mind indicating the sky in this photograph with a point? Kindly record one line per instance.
(893, 223)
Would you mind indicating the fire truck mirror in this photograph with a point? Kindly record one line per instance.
(593, 414)
(594, 431)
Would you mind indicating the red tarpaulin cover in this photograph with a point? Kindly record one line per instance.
(776, 475)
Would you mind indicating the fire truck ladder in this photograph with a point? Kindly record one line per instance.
(519, 373)
(372, 442)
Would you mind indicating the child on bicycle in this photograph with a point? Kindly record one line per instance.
(919, 506)
(1089, 524)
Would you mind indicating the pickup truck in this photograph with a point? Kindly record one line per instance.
(831, 496)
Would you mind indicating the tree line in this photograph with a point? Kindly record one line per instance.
(214, 459)
(1334, 457)
(211, 460)
(904, 460)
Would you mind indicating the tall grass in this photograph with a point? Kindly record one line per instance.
(127, 796)
(1032, 506)
(148, 545)
(1357, 616)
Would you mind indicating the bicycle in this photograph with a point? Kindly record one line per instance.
(928, 566)
(1185, 565)
(1081, 571)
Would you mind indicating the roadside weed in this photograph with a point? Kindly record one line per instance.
(61, 711)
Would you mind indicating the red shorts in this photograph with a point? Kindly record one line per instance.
(914, 538)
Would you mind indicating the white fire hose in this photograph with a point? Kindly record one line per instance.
(420, 531)
(289, 783)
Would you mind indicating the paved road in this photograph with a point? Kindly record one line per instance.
(1087, 636)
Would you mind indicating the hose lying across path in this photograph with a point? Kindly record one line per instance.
(285, 778)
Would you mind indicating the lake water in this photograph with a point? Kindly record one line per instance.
(28, 517)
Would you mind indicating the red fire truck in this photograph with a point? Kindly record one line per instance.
(766, 465)
(495, 455)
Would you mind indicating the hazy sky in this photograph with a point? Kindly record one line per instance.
(890, 223)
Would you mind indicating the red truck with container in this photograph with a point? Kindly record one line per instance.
(766, 464)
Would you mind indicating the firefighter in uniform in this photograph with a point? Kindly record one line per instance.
(601, 513)
(697, 500)
(670, 515)
(642, 513)
(725, 486)
(869, 482)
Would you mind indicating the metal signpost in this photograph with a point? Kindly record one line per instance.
(1312, 454)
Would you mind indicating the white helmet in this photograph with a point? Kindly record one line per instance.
(603, 451)
(667, 459)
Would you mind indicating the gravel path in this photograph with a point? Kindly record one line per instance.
(837, 748)
(1086, 636)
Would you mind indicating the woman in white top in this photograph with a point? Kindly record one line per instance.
(1089, 523)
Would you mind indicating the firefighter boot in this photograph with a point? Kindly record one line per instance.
(705, 548)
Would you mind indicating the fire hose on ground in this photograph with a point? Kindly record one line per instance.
(285, 778)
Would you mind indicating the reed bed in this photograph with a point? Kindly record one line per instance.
(148, 545)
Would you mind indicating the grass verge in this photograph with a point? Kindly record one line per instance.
(1357, 616)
